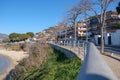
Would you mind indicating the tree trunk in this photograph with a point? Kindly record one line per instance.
(102, 32)
(102, 40)
(75, 34)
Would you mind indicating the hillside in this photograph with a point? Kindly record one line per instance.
(3, 36)
(48, 34)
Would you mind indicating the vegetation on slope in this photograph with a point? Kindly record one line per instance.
(16, 37)
(48, 64)
(57, 67)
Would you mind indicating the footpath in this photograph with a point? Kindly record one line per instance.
(113, 64)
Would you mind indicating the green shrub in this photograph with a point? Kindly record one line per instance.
(57, 67)
(38, 55)
(45, 63)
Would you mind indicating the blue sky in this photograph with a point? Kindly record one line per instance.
(22, 16)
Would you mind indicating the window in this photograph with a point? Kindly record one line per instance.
(93, 21)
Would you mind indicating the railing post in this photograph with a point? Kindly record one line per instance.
(84, 49)
(82, 44)
(78, 43)
(67, 43)
(78, 48)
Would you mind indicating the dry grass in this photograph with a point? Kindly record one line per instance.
(37, 55)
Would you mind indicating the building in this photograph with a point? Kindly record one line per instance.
(81, 30)
(93, 27)
(61, 35)
(112, 21)
(68, 34)
(112, 24)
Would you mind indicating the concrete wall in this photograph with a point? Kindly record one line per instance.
(68, 53)
(96, 39)
(106, 38)
(115, 38)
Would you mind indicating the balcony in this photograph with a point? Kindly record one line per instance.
(81, 29)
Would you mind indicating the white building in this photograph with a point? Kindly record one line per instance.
(112, 38)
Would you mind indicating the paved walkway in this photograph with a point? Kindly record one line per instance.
(112, 63)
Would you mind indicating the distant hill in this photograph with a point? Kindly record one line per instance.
(48, 34)
(3, 36)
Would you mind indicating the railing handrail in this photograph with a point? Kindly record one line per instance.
(94, 67)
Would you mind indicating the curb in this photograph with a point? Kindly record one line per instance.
(112, 56)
